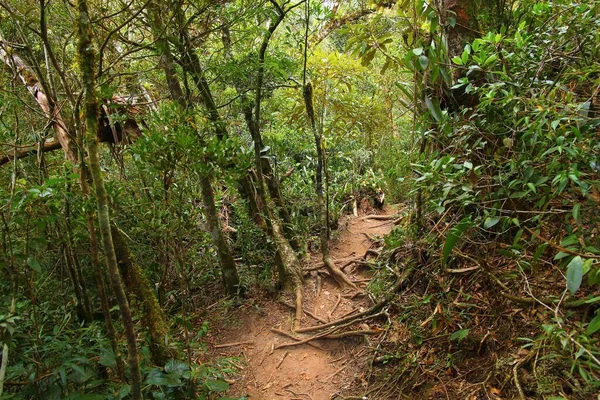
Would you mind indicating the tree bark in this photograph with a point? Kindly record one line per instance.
(86, 64)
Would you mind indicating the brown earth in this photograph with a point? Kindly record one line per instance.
(321, 369)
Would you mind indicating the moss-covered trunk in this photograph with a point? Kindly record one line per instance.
(86, 64)
(141, 295)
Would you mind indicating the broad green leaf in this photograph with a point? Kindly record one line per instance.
(576, 211)
(454, 234)
(107, 358)
(216, 385)
(423, 61)
(34, 264)
(124, 392)
(594, 325)
(490, 221)
(434, 108)
(574, 274)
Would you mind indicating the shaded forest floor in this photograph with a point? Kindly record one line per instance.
(321, 369)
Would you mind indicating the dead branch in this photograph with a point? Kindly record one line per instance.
(334, 374)
(49, 145)
(561, 248)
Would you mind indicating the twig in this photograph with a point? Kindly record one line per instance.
(220, 346)
(337, 303)
(559, 247)
(334, 374)
(282, 359)
(516, 375)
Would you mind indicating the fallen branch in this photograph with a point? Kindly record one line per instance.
(561, 248)
(334, 374)
(531, 301)
(220, 346)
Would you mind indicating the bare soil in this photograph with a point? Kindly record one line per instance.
(321, 369)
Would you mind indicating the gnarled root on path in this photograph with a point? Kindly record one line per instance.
(340, 277)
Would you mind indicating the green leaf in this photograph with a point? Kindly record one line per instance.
(454, 234)
(459, 335)
(107, 358)
(457, 60)
(594, 325)
(423, 61)
(574, 274)
(434, 108)
(34, 264)
(418, 51)
(124, 392)
(576, 211)
(216, 385)
(490, 221)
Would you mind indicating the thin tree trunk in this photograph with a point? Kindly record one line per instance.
(322, 209)
(228, 268)
(86, 61)
(231, 282)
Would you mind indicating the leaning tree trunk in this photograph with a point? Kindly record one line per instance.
(86, 64)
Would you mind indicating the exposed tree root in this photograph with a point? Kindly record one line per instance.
(340, 277)
(321, 264)
(337, 303)
(313, 316)
(378, 217)
(406, 275)
(221, 346)
(287, 334)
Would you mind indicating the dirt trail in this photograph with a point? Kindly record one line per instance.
(312, 372)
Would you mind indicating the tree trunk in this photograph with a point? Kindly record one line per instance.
(141, 295)
(322, 209)
(228, 268)
(86, 61)
(229, 273)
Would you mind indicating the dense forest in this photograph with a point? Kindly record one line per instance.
(299, 199)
